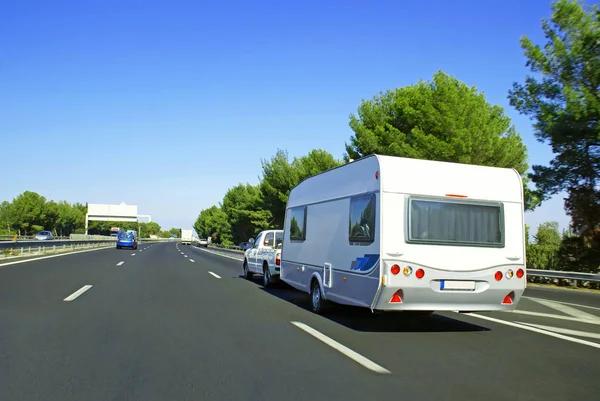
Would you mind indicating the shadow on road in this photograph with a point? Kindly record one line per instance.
(362, 319)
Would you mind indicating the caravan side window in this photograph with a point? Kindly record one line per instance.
(298, 224)
(361, 225)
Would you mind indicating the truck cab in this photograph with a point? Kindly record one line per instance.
(264, 257)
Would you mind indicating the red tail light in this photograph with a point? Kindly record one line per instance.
(278, 261)
(395, 269)
(420, 273)
(520, 273)
(498, 276)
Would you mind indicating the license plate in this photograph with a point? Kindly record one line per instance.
(455, 285)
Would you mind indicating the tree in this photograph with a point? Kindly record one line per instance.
(213, 223)
(443, 120)
(148, 229)
(543, 252)
(563, 101)
(6, 217)
(243, 206)
(279, 176)
(28, 212)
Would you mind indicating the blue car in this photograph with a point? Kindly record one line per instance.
(126, 240)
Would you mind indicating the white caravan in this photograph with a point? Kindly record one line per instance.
(393, 234)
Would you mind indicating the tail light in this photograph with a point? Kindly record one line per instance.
(498, 276)
(520, 273)
(278, 260)
(395, 269)
(420, 273)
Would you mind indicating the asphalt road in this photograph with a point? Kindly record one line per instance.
(177, 322)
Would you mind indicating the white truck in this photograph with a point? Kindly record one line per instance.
(264, 257)
(399, 234)
(186, 237)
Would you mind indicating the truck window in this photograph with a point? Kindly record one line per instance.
(361, 225)
(278, 239)
(269, 239)
(298, 223)
(456, 223)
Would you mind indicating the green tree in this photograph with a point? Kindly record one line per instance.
(148, 229)
(51, 214)
(28, 212)
(279, 176)
(7, 220)
(443, 120)
(243, 205)
(213, 223)
(543, 252)
(562, 98)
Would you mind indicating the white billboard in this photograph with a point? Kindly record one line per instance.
(105, 212)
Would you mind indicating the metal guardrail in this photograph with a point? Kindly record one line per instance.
(563, 275)
(54, 242)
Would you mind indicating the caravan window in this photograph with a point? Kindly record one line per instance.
(298, 224)
(456, 223)
(362, 219)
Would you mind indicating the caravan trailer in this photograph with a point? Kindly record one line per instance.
(398, 234)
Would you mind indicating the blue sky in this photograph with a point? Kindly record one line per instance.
(193, 94)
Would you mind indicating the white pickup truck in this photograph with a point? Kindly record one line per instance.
(264, 257)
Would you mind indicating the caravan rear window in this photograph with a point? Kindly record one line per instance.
(456, 223)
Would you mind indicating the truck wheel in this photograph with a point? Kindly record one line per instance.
(247, 273)
(267, 279)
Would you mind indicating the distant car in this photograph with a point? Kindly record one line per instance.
(44, 235)
(203, 242)
(126, 240)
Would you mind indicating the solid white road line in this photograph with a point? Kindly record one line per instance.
(191, 260)
(51, 256)
(564, 303)
(565, 331)
(214, 274)
(120, 263)
(567, 310)
(356, 357)
(551, 316)
(77, 293)
(185, 256)
(535, 330)
(221, 254)
(133, 254)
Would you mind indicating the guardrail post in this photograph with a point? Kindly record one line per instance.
(54, 249)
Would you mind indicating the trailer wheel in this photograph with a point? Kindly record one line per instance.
(317, 303)
(247, 273)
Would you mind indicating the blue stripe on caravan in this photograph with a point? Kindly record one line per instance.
(365, 263)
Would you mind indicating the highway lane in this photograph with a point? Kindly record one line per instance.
(161, 327)
(441, 352)
(167, 325)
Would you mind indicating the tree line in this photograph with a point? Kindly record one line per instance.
(446, 120)
(30, 212)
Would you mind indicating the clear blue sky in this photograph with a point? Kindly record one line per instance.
(193, 94)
